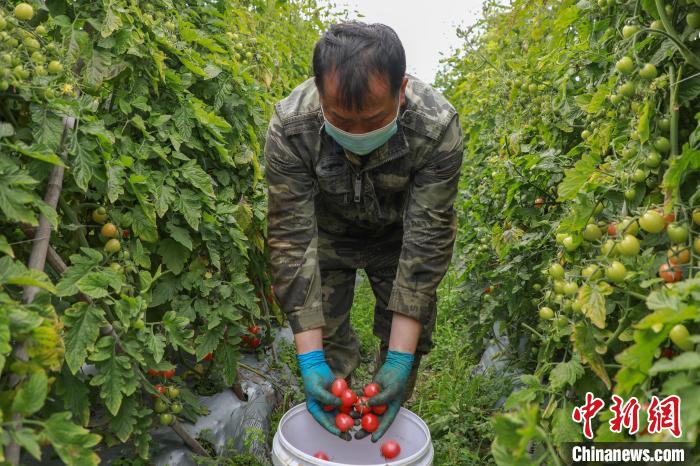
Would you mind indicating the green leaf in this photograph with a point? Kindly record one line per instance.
(27, 439)
(686, 361)
(181, 235)
(39, 153)
(116, 378)
(76, 396)
(197, 177)
(678, 167)
(593, 303)
(5, 247)
(31, 395)
(177, 331)
(124, 422)
(111, 23)
(155, 343)
(72, 443)
(564, 429)
(643, 126)
(174, 255)
(189, 205)
(83, 322)
(208, 341)
(584, 344)
(565, 373)
(576, 178)
(82, 166)
(227, 353)
(96, 284)
(143, 226)
(81, 266)
(115, 183)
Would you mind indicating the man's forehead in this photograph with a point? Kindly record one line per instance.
(377, 89)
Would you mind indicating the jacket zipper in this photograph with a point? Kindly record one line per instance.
(358, 186)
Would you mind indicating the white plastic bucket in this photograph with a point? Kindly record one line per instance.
(299, 437)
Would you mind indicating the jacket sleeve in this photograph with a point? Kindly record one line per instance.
(292, 232)
(430, 227)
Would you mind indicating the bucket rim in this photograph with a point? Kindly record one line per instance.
(425, 451)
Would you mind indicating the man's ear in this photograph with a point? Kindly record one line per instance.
(402, 92)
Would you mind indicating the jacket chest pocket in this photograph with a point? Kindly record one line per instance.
(391, 178)
(335, 180)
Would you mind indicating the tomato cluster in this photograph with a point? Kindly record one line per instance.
(252, 339)
(168, 406)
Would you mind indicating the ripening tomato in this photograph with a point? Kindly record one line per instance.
(320, 455)
(209, 356)
(612, 229)
(678, 255)
(254, 329)
(339, 386)
(169, 373)
(371, 389)
(125, 233)
(670, 273)
(344, 422)
(153, 372)
(390, 449)
(370, 422)
(160, 389)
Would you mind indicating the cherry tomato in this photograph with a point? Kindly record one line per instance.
(372, 389)
(173, 392)
(255, 342)
(339, 386)
(370, 422)
(166, 419)
(390, 449)
(379, 409)
(320, 455)
(345, 409)
(245, 338)
(254, 329)
(152, 372)
(361, 405)
(176, 408)
(348, 397)
(160, 406)
(344, 422)
(209, 356)
(667, 353)
(169, 373)
(125, 233)
(612, 229)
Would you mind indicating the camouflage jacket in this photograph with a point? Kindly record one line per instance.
(315, 187)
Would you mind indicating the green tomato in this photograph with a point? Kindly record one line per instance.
(653, 160)
(591, 271)
(139, 324)
(629, 246)
(598, 208)
(652, 222)
(546, 313)
(160, 406)
(570, 288)
(609, 248)
(639, 175)
(664, 124)
(176, 408)
(559, 286)
(677, 232)
(629, 30)
(658, 25)
(570, 244)
(166, 419)
(24, 11)
(681, 337)
(616, 272)
(628, 226)
(693, 19)
(627, 89)
(55, 67)
(556, 271)
(630, 194)
(615, 99)
(648, 71)
(536, 287)
(625, 65)
(592, 232)
(662, 144)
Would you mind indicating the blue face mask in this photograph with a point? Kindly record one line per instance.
(363, 144)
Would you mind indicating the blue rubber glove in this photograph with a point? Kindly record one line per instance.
(318, 377)
(392, 379)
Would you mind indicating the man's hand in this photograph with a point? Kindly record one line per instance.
(318, 377)
(392, 378)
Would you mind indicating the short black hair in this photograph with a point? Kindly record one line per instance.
(356, 50)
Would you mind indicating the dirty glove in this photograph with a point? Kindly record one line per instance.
(318, 377)
(392, 378)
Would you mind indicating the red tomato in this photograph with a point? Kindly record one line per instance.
(371, 389)
(361, 405)
(245, 338)
(339, 386)
(153, 372)
(348, 397)
(344, 422)
(344, 409)
(209, 356)
(328, 408)
(169, 373)
(370, 422)
(255, 342)
(254, 329)
(379, 409)
(390, 449)
(667, 353)
(487, 290)
(612, 229)
(320, 455)
(125, 233)
(670, 273)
